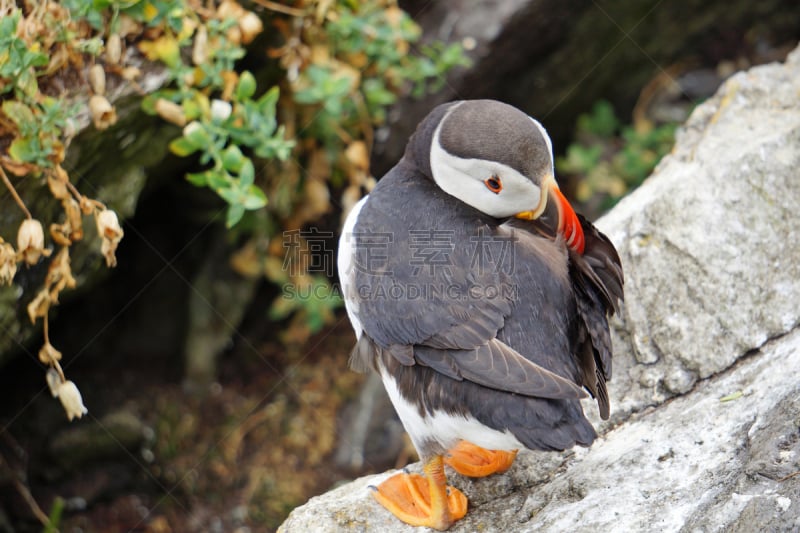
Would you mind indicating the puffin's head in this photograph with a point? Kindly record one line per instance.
(499, 160)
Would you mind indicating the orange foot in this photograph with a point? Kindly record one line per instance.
(423, 500)
(474, 461)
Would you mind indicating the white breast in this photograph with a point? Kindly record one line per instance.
(444, 428)
(346, 262)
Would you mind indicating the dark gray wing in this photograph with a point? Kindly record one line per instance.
(494, 364)
(433, 289)
(598, 280)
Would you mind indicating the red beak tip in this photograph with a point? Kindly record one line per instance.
(569, 225)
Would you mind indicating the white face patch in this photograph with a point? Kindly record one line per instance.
(464, 179)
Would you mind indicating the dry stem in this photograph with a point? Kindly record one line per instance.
(13, 192)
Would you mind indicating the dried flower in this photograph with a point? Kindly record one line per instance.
(113, 49)
(250, 26)
(229, 9)
(60, 234)
(48, 354)
(8, 262)
(358, 155)
(74, 218)
(97, 79)
(59, 275)
(39, 305)
(200, 47)
(234, 35)
(110, 231)
(130, 73)
(71, 399)
(318, 198)
(57, 181)
(87, 205)
(170, 111)
(220, 110)
(230, 79)
(53, 381)
(30, 241)
(103, 113)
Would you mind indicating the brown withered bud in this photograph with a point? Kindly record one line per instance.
(60, 234)
(171, 112)
(97, 79)
(30, 241)
(230, 9)
(39, 305)
(58, 184)
(87, 206)
(103, 113)
(130, 73)
(59, 275)
(200, 47)
(8, 262)
(113, 49)
(111, 232)
(48, 354)
(234, 35)
(74, 218)
(250, 26)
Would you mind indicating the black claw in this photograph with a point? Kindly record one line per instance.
(406, 470)
(372, 487)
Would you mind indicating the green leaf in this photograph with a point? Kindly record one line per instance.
(232, 195)
(149, 103)
(234, 215)
(183, 147)
(197, 135)
(19, 113)
(198, 179)
(376, 93)
(247, 174)
(219, 181)
(232, 159)
(255, 198)
(601, 121)
(27, 83)
(267, 102)
(24, 150)
(246, 86)
(8, 25)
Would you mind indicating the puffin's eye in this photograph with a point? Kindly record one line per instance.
(493, 184)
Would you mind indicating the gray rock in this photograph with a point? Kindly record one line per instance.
(710, 323)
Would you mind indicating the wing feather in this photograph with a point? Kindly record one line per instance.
(498, 366)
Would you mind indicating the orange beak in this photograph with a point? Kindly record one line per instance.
(569, 226)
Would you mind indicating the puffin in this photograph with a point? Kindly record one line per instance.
(481, 299)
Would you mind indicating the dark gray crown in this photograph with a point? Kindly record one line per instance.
(494, 131)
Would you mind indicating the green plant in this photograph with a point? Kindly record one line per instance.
(297, 144)
(35, 129)
(17, 60)
(611, 158)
